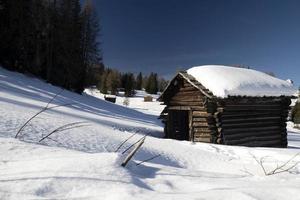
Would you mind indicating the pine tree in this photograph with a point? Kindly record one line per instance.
(128, 83)
(4, 26)
(102, 86)
(139, 81)
(90, 46)
(51, 39)
(152, 84)
(113, 81)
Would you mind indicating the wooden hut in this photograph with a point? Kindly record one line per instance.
(227, 105)
(110, 98)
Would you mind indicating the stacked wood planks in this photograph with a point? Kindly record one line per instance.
(253, 121)
(236, 120)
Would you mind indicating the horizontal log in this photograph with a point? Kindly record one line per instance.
(204, 135)
(250, 134)
(204, 130)
(185, 103)
(201, 114)
(200, 139)
(199, 108)
(200, 119)
(253, 107)
(180, 96)
(241, 120)
(258, 100)
(248, 115)
(251, 111)
(188, 88)
(195, 92)
(250, 125)
(251, 129)
(201, 124)
(186, 99)
(179, 108)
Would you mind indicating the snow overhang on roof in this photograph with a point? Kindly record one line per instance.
(224, 81)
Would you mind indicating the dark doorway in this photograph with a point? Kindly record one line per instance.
(178, 124)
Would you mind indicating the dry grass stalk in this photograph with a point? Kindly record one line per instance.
(41, 111)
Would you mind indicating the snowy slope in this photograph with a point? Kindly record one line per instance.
(136, 102)
(81, 163)
(224, 81)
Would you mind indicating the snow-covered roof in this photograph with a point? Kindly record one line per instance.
(224, 81)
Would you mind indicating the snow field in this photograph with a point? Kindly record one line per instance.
(81, 163)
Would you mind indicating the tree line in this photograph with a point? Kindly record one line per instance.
(111, 80)
(57, 40)
(53, 39)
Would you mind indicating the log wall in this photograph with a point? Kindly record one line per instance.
(246, 121)
(253, 121)
(201, 121)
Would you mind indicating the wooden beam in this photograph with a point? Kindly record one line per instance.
(201, 114)
(250, 125)
(250, 129)
(251, 119)
(131, 154)
(179, 108)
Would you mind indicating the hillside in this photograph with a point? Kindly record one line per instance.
(81, 163)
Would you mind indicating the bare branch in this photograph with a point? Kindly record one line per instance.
(64, 127)
(54, 97)
(122, 143)
(131, 154)
(41, 111)
(287, 162)
(134, 144)
(62, 105)
(279, 168)
(260, 162)
(151, 158)
(287, 169)
(55, 141)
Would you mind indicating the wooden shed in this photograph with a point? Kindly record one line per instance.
(253, 113)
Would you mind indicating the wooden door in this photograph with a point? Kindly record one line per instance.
(178, 124)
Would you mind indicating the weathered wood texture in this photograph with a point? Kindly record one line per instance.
(247, 121)
(253, 121)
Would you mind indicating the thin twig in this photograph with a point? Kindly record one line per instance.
(287, 162)
(279, 168)
(260, 162)
(134, 144)
(62, 105)
(287, 169)
(49, 138)
(63, 128)
(122, 143)
(153, 157)
(131, 154)
(41, 111)
(54, 97)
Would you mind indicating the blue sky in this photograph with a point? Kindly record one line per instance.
(167, 35)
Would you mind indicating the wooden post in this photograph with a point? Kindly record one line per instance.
(131, 154)
(191, 131)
